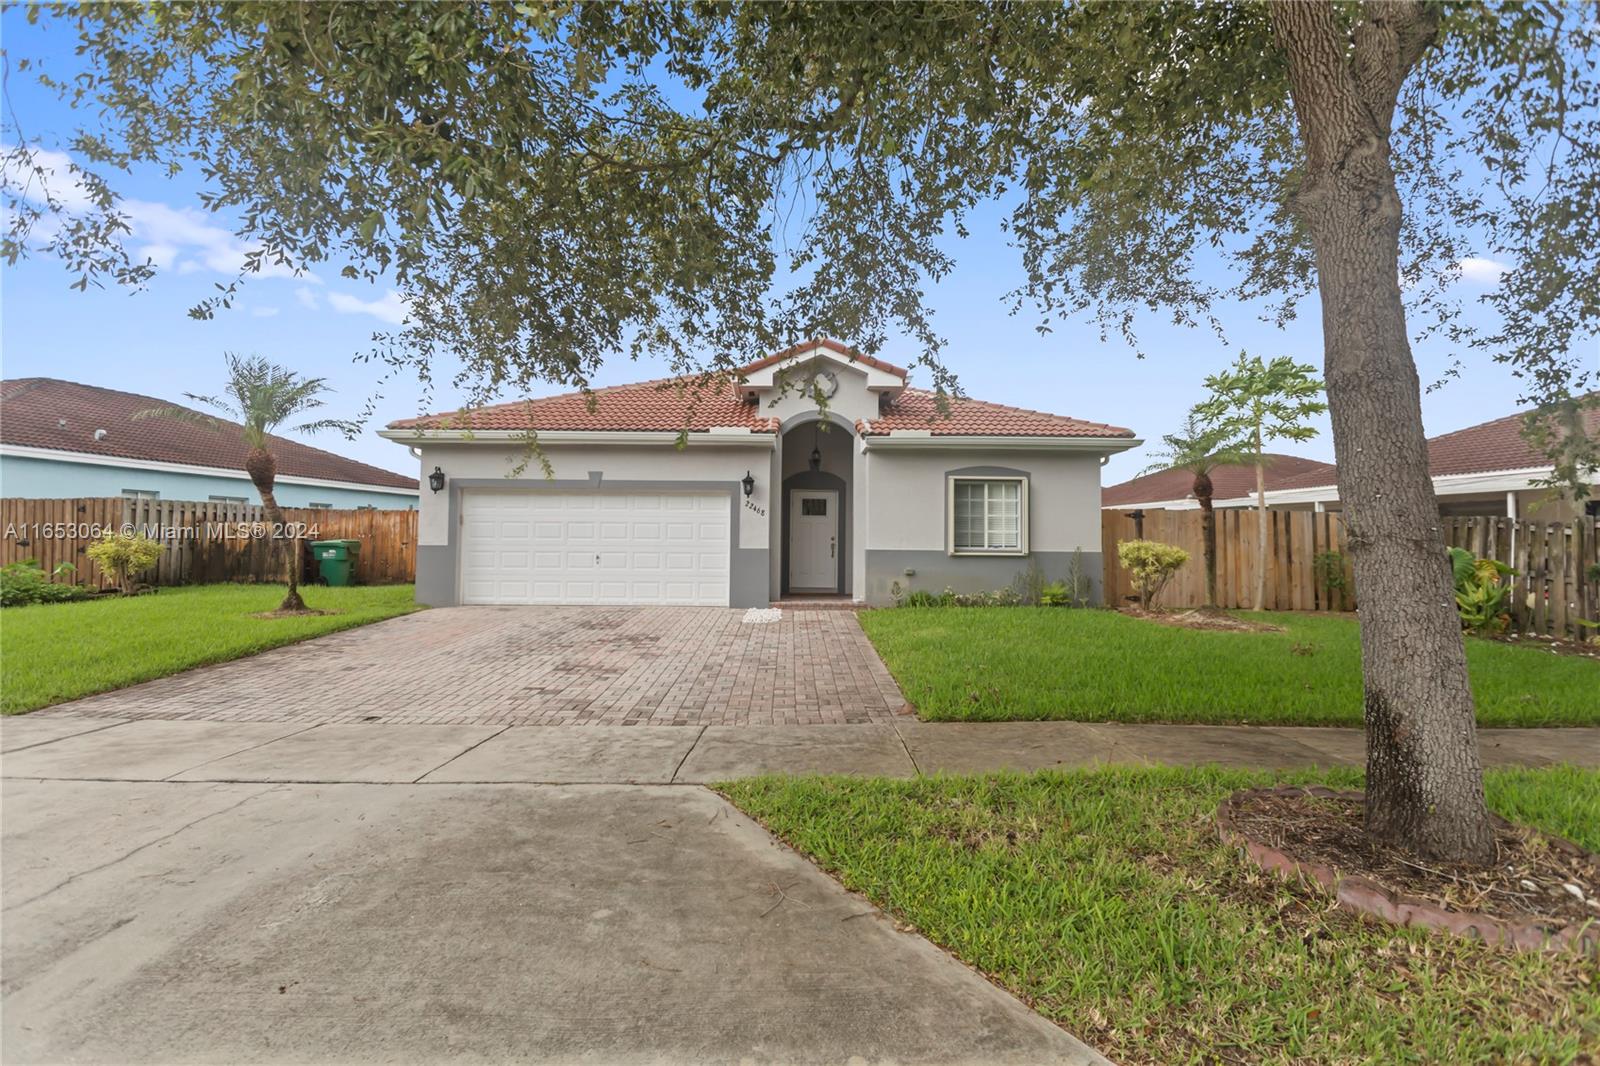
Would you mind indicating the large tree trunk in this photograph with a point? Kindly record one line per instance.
(263, 471)
(1203, 491)
(1261, 525)
(1424, 776)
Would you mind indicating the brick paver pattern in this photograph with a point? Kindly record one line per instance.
(543, 666)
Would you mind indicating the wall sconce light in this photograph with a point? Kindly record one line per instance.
(436, 479)
(816, 449)
(748, 482)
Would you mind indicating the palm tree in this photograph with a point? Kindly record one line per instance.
(1200, 447)
(262, 396)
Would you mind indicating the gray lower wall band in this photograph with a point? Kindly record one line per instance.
(936, 571)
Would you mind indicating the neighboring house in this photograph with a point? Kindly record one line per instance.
(768, 498)
(60, 439)
(1173, 489)
(1484, 470)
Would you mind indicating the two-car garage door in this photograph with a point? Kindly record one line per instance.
(594, 547)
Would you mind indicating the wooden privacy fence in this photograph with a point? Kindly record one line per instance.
(1295, 579)
(205, 541)
(1308, 565)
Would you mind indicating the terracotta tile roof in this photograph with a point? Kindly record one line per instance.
(32, 411)
(917, 409)
(1488, 446)
(1230, 481)
(663, 404)
(833, 346)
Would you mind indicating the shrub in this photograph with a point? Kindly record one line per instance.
(1482, 593)
(122, 555)
(1151, 564)
(1055, 594)
(1328, 568)
(26, 582)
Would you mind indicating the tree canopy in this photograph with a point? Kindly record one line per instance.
(550, 185)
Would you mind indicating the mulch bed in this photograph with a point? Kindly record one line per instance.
(307, 613)
(1201, 618)
(1541, 891)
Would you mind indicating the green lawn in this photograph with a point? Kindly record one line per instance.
(1017, 663)
(61, 651)
(1104, 899)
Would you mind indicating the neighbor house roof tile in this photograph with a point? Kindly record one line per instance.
(1229, 481)
(64, 415)
(1489, 446)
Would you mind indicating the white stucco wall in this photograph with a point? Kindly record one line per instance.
(664, 462)
(852, 402)
(906, 508)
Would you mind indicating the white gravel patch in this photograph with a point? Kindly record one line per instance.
(756, 616)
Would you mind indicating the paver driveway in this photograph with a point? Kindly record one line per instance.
(543, 666)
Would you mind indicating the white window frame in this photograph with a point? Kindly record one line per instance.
(241, 501)
(151, 495)
(950, 515)
(314, 506)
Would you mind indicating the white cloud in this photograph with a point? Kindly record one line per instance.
(57, 179)
(263, 312)
(162, 255)
(307, 297)
(1482, 271)
(389, 307)
(184, 239)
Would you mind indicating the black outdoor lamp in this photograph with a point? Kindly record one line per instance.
(748, 482)
(436, 479)
(816, 450)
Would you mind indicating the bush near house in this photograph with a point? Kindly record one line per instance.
(1151, 564)
(25, 583)
(122, 555)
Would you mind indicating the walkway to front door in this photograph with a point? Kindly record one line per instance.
(543, 666)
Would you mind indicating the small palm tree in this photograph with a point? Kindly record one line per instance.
(1200, 447)
(262, 396)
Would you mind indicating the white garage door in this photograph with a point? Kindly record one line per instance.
(594, 547)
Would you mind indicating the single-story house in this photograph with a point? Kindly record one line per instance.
(771, 494)
(1487, 470)
(63, 440)
(1173, 489)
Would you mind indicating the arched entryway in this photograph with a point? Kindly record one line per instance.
(818, 470)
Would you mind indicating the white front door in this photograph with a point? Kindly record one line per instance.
(594, 547)
(813, 540)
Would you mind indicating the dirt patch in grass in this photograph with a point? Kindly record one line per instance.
(1553, 645)
(1202, 618)
(1536, 879)
(305, 613)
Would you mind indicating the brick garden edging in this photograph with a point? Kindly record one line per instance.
(1365, 896)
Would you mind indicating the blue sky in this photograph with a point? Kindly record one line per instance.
(145, 342)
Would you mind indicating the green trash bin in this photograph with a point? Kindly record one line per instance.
(336, 560)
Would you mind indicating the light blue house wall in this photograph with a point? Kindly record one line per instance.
(26, 477)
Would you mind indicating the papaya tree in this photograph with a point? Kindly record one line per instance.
(1255, 402)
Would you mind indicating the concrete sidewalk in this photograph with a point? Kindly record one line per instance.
(169, 923)
(67, 748)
